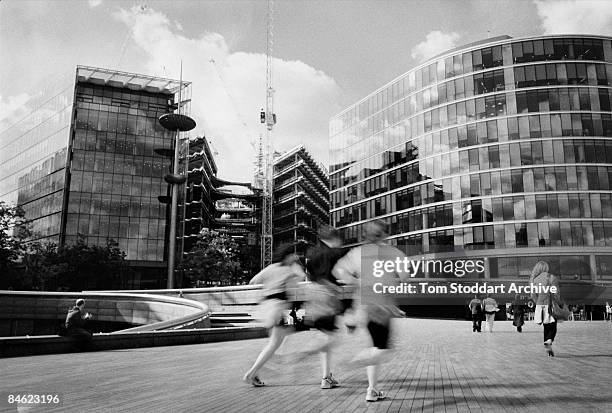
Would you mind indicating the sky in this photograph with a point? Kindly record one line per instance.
(328, 54)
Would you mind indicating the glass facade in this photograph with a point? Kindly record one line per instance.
(497, 150)
(115, 175)
(33, 155)
(83, 163)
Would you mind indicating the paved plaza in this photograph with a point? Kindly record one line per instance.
(438, 366)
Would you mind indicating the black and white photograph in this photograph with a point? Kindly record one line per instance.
(285, 206)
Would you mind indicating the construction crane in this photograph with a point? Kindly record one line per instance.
(268, 117)
(230, 97)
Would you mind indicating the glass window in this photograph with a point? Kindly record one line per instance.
(490, 107)
(566, 233)
(521, 102)
(543, 234)
(506, 182)
(554, 233)
(504, 156)
(474, 185)
(497, 56)
(485, 182)
(552, 206)
(563, 205)
(517, 52)
(468, 85)
(519, 207)
(572, 179)
(515, 154)
(528, 51)
(457, 65)
(465, 186)
(517, 181)
(496, 183)
(493, 155)
(480, 108)
(459, 88)
(508, 208)
(477, 60)
(510, 236)
(521, 235)
(545, 126)
(541, 208)
(470, 109)
(525, 153)
(487, 57)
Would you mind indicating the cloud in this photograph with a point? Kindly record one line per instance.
(575, 17)
(229, 88)
(94, 3)
(435, 42)
(13, 109)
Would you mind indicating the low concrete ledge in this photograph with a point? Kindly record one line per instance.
(231, 298)
(36, 345)
(146, 312)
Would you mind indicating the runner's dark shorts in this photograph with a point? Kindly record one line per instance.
(345, 305)
(380, 334)
(327, 323)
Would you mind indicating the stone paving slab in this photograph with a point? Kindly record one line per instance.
(437, 366)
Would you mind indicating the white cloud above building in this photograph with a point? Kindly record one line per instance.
(94, 3)
(575, 16)
(229, 88)
(435, 43)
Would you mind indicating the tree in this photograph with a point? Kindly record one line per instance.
(13, 234)
(75, 267)
(213, 260)
(27, 265)
(37, 268)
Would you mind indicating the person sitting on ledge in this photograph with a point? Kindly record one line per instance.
(75, 323)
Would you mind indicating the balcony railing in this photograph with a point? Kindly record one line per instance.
(289, 196)
(288, 168)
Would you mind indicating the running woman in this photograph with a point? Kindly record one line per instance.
(284, 273)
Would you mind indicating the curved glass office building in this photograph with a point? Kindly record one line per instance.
(501, 149)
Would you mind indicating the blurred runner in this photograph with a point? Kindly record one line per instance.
(376, 317)
(277, 279)
(323, 304)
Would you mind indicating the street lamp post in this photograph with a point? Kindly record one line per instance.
(178, 123)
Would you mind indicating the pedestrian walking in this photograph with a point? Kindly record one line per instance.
(475, 307)
(608, 311)
(490, 309)
(283, 274)
(518, 313)
(545, 303)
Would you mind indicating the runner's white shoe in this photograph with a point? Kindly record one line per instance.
(374, 395)
(329, 382)
(254, 381)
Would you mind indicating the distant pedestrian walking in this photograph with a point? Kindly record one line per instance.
(277, 278)
(545, 302)
(518, 313)
(608, 311)
(490, 308)
(475, 307)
